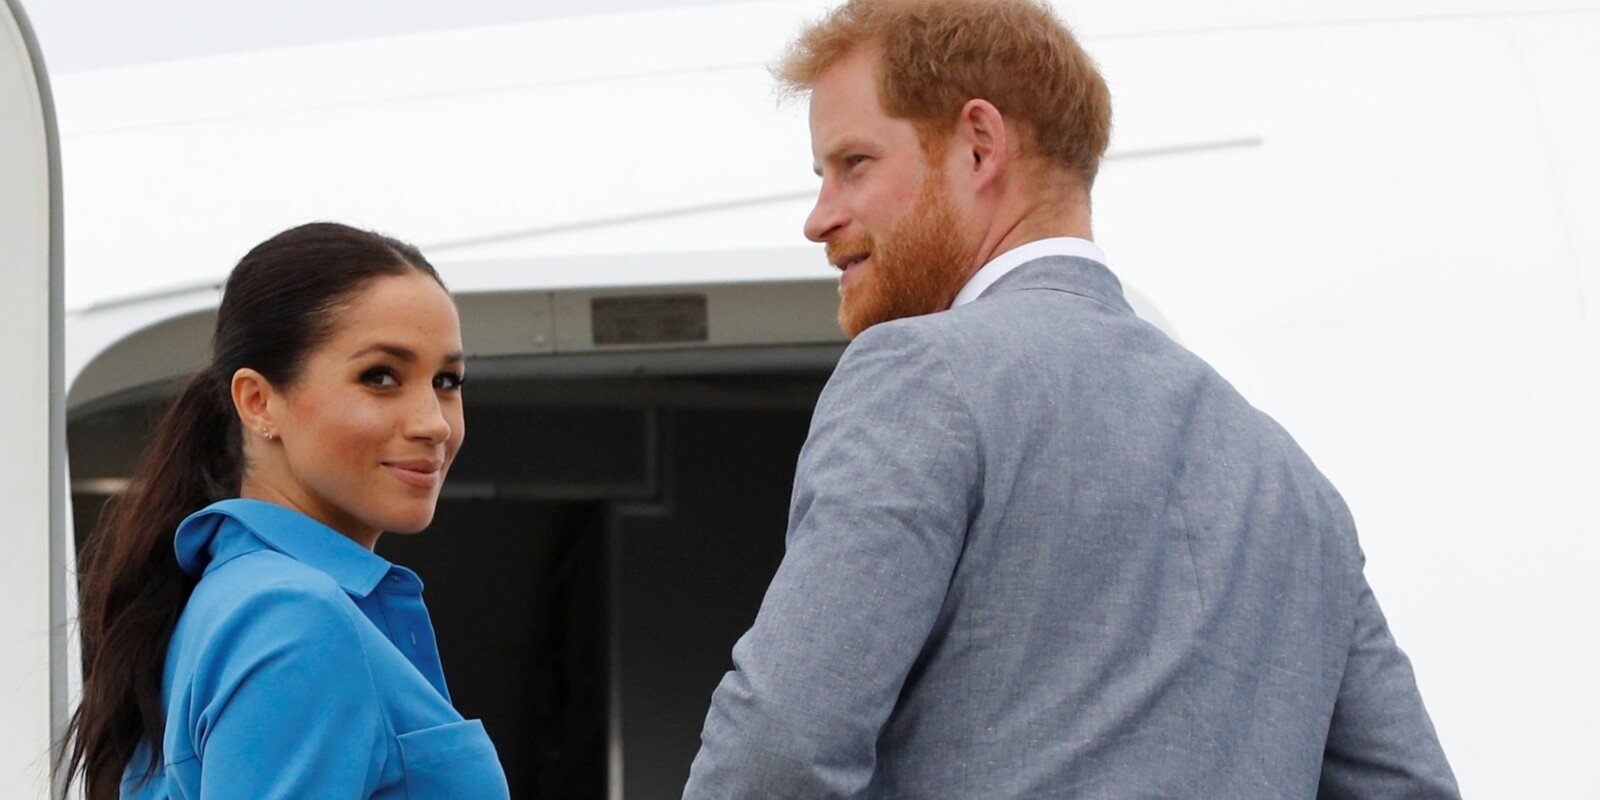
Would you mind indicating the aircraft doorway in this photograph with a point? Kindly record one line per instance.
(603, 545)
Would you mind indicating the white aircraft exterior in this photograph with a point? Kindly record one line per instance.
(1376, 219)
(32, 417)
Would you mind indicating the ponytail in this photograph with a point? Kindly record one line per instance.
(133, 589)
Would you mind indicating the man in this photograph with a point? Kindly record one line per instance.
(1036, 548)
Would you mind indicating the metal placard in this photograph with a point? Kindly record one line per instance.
(650, 319)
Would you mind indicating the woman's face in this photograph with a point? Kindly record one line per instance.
(363, 440)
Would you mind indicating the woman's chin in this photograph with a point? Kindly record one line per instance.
(408, 521)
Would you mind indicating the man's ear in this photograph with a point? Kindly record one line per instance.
(984, 139)
(253, 400)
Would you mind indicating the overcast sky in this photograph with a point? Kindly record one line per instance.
(78, 35)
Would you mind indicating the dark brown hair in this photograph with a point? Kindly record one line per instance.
(935, 55)
(279, 304)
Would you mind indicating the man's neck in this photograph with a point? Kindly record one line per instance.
(1030, 224)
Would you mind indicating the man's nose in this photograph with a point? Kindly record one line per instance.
(826, 218)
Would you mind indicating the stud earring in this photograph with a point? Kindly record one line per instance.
(266, 434)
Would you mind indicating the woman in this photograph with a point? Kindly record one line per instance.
(277, 656)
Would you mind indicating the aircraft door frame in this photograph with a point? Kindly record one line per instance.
(33, 573)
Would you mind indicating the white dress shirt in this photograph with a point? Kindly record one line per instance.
(1022, 254)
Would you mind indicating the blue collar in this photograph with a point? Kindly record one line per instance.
(203, 536)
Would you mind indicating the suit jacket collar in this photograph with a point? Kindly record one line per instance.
(1080, 276)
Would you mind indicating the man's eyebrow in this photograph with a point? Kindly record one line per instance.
(403, 353)
(837, 151)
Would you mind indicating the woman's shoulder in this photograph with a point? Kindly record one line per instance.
(261, 605)
(264, 580)
(264, 617)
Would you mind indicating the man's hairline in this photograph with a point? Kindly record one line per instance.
(933, 141)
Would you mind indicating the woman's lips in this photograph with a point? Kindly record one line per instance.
(418, 476)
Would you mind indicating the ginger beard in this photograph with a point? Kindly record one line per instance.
(916, 269)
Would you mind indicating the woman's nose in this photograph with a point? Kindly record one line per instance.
(427, 421)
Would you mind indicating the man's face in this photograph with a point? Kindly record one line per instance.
(883, 210)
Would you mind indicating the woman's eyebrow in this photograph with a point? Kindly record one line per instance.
(397, 351)
(403, 353)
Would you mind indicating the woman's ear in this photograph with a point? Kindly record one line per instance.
(253, 401)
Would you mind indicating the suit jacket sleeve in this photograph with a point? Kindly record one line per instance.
(1381, 743)
(884, 491)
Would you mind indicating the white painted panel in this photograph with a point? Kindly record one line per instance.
(462, 140)
(1122, 18)
(25, 424)
(1557, 55)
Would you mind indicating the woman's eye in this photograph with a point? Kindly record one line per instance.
(449, 381)
(381, 378)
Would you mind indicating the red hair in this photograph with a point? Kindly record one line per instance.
(936, 55)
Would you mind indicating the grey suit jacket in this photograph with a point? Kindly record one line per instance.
(1038, 550)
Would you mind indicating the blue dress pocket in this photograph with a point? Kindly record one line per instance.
(455, 761)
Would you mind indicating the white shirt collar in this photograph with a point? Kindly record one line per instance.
(1022, 254)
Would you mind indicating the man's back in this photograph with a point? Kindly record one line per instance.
(1088, 568)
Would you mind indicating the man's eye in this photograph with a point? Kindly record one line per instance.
(855, 161)
(449, 381)
(382, 378)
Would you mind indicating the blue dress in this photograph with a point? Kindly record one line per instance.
(305, 666)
